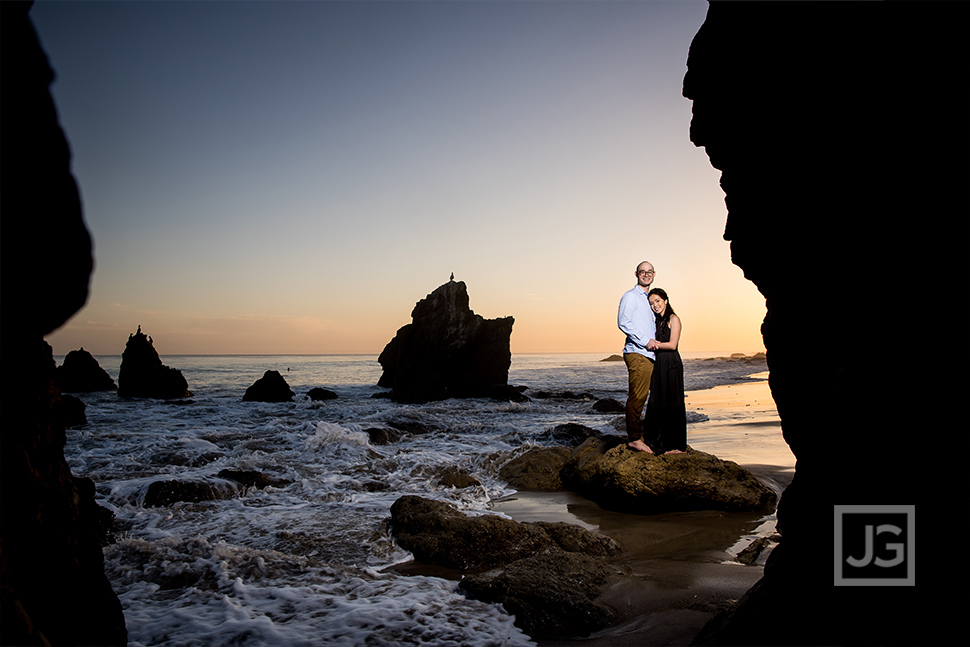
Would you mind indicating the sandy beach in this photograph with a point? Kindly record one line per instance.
(679, 569)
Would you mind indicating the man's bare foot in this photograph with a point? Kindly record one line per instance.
(639, 446)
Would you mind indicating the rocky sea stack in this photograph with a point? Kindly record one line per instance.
(142, 374)
(81, 373)
(447, 351)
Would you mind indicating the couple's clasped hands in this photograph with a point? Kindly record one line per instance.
(653, 344)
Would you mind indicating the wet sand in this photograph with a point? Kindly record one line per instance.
(679, 569)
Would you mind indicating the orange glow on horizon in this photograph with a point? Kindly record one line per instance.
(535, 332)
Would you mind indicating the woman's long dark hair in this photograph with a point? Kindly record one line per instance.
(665, 318)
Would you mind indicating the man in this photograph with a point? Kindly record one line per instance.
(636, 320)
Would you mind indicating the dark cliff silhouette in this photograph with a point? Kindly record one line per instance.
(53, 589)
(834, 127)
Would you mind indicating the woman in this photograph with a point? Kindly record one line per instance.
(665, 422)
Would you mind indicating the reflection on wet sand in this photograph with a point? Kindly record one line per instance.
(678, 569)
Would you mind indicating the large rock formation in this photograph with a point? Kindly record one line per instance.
(438, 533)
(142, 374)
(81, 373)
(544, 573)
(832, 125)
(447, 351)
(53, 589)
(606, 471)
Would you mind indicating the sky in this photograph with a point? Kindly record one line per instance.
(291, 177)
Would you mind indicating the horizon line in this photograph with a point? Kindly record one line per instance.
(719, 353)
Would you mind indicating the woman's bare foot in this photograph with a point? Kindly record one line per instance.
(639, 446)
(674, 451)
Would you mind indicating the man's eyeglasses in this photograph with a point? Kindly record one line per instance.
(645, 272)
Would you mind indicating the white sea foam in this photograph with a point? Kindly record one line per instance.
(298, 562)
(329, 434)
(191, 592)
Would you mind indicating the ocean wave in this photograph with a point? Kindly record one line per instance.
(296, 560)
(194, 592)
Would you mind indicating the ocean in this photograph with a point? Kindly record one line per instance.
(302, 561)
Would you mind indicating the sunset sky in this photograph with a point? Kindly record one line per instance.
(292, 177)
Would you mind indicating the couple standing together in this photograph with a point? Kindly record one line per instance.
(652, 334)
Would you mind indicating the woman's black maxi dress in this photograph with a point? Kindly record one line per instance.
(665, 421)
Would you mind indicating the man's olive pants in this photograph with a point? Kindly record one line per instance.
(640, 369)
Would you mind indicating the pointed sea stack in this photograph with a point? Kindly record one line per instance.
(447, 351)
(81, 373)
(142, 374)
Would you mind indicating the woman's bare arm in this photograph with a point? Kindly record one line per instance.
(675, 327)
